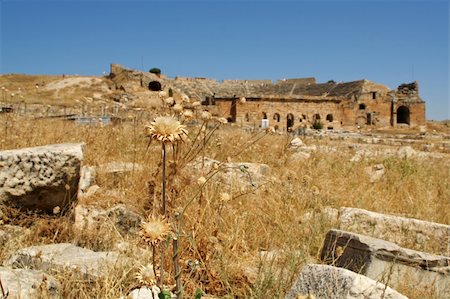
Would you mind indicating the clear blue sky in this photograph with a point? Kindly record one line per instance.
(390, 42)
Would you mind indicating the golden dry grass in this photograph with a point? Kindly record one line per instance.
(226, 237)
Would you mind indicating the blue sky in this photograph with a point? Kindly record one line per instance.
(390, 42)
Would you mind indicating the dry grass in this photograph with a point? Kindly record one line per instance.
(224, 237)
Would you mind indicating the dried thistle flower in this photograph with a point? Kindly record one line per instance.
(201, 181)
(169, 101)
(166, 129)
(146, 275)
(188, 114)
(224, 197)
(206, 115)
(315, 190)
(242, 100)
(196, 104)
(154, 230)
(177, 108)
(185, 98)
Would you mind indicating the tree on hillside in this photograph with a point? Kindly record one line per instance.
(155, 71)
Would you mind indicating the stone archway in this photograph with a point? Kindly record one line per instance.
(403, 115)
(154, 86)
(289, 121)
(276, 117)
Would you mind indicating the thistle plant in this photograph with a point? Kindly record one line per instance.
(168, 131)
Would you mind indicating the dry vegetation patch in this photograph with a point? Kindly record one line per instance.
(234, 243)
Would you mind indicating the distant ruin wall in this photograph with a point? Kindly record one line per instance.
(303, 81)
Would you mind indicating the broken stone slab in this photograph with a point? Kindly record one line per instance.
(118, 217)
(87, 179)
(40, 178)
(296, 142)
(375, 172)
(407, 232)
(328, 282)
(144, 293)
(28, 284)
(386, 262)
(65, 257)
(234, 174)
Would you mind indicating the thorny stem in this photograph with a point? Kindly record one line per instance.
(154, 259)
(161, 272)
(176, 268)
(163, 211)
(163, 207)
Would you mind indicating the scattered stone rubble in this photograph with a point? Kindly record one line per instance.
(369, 249)
(367, 244)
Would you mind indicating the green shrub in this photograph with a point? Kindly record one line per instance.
(155, 71)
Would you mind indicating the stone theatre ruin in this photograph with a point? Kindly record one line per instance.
(290, 104)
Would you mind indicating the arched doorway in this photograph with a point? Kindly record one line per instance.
(264, 115)
(290, 121)
(154, 86)
(276, 117)
(403, 115)
(329, 118)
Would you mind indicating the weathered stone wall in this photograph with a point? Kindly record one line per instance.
(303, 112)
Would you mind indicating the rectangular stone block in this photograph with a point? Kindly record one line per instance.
(387, 262)
(407, 232)
(328, 282)
(40, 178)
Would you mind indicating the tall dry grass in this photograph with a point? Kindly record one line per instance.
(222, 240)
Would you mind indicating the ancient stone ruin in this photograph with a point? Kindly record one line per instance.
(291, 104)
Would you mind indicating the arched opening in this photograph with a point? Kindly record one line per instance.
(264, 115)
(290, 121)
(233, 111)
(403, 115)
(316, 116)
(329, 117)
(154, 86)
(362, 106)
(276, 117)
(369, 119)
(247, 117)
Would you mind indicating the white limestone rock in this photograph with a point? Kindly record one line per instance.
(387, 262)
(28, 284)
(328, 282)
(66, 257)
(407, 232)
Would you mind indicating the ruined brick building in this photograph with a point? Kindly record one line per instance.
(295, 103)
